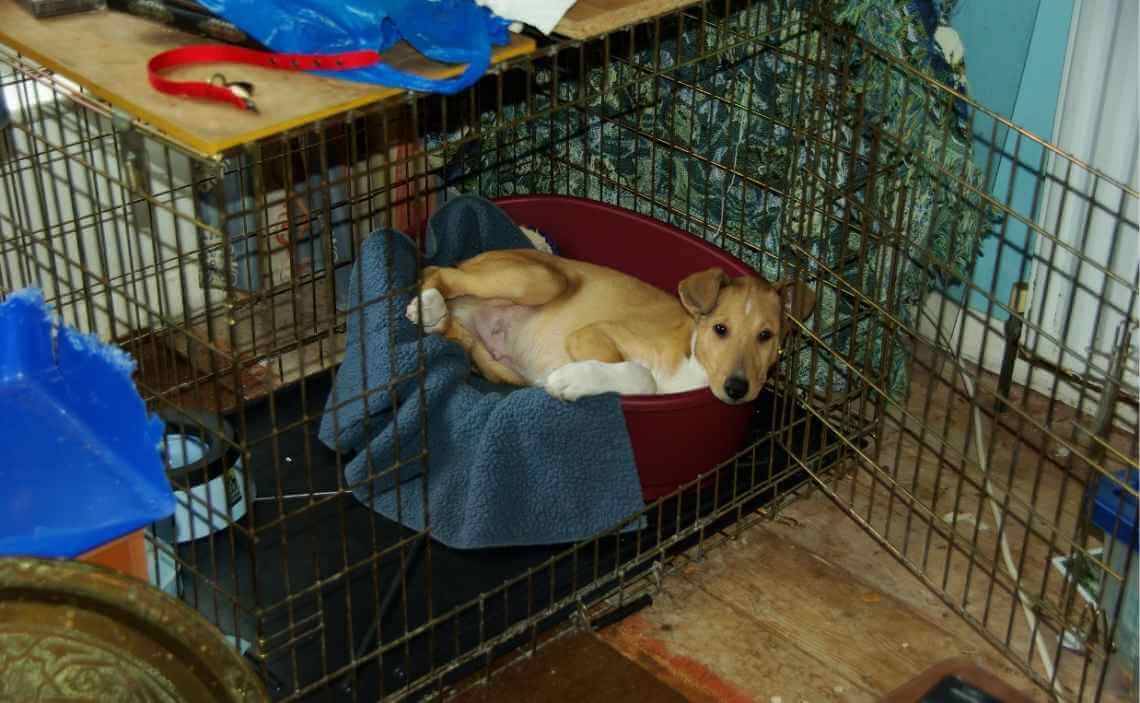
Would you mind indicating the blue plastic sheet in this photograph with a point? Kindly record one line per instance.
(448, 31)
(82, 462)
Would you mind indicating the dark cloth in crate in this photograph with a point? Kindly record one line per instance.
(506, 467)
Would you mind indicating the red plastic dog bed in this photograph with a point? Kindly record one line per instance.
(678, 436)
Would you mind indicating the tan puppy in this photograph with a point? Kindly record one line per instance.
(577, 329)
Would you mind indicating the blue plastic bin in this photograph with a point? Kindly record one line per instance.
(82, 464)
(1114, 511)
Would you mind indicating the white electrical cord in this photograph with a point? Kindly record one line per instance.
(1006, 553)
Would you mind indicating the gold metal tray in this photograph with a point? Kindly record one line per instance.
(71, 631)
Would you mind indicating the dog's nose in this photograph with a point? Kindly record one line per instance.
(736, 387)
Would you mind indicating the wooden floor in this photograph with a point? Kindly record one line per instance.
(809, 607)
(577, 668)
(765, 619)
(760, 619)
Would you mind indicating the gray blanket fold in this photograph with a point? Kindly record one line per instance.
(506, 467)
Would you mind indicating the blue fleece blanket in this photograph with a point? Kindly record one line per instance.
(505, 467)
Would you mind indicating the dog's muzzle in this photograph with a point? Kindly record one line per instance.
(736, 387)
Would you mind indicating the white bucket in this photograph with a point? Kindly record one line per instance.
(209, 490)
(161, 567)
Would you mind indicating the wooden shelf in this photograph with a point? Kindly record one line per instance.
(106, 53)
(591, 18)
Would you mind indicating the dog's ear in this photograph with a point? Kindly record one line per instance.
(798, 301)
(700, 291)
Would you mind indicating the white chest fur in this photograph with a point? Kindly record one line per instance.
(688, 376)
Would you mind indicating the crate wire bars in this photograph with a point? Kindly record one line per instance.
(766, 128)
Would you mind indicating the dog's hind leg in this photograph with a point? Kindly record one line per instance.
(499, 275)
(505, 275)
(508, 276)
(437, 319)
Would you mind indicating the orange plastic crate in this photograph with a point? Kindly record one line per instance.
(126, 554)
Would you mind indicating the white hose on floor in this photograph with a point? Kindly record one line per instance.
(1006, 553)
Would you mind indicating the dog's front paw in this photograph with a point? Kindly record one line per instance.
(433, 312)
(582, 378)
(572, 381)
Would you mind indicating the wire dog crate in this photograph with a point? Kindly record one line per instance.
(768, 129)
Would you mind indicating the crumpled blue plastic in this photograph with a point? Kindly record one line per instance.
(448, 31)
(81, 463)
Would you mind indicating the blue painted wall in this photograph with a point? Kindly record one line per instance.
(1015, 56)
(996, 36)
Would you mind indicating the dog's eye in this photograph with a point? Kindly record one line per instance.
(721, 330)
(764, 336)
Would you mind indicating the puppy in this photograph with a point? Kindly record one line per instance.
(531, 318)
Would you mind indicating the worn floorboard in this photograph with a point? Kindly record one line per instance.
(576, 668)
(763, 619)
